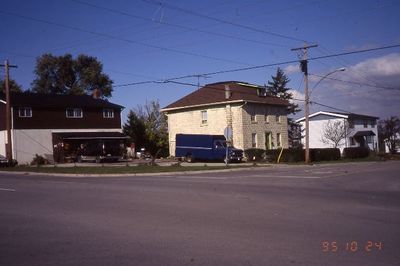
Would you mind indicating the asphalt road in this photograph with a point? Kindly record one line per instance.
(339, 214)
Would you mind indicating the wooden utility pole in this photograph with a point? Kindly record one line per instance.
(304, 69)
(6, 66)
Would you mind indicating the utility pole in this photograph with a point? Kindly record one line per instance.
(304, 69)
(8, 109)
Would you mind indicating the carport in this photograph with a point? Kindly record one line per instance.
(68, 145)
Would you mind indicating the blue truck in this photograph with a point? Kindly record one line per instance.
(205, 147)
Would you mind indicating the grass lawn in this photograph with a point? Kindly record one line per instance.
(114, 169)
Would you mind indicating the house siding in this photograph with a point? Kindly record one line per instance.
(56, 119)
(29, 142)
(318, 123)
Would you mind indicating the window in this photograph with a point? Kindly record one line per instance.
(266, 118)
(108, 113)
(278, 118)
(204, 117)
(74, 113)
(373, 124)
(365, 123)
(268, 140)
(25, 112)
(253, 115)
(253, 140)
(352, 141)
(370, 139)
(278, 140)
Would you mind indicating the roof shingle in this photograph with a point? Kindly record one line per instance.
(215, 94)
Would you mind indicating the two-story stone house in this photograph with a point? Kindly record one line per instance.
(362, 129)
(44, 123)
(257, 119)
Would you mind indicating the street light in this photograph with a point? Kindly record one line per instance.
(307, 110)
(325, 76)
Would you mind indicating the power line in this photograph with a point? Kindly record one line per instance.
(273, 64)
(176, 25)
(120, 39)
(357, 83)
(170, 6)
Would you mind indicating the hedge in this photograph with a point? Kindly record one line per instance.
(292, 155)
(355, 152)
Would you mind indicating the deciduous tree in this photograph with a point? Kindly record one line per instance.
(334, 132)
(389, 131)
(66, 75)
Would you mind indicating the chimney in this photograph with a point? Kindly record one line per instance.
(96, 93)
(228, 92)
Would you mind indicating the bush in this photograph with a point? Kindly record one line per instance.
(288, 155)
(355, 152)
(39, 160)
(254, 154)
(326, 154)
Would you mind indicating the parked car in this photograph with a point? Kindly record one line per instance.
(4, 162)
(205, 147)
(100, 151)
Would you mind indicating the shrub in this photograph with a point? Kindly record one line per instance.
(255, 154)
(39, 160)
(288, 155)
(326, 154)
(355, 152)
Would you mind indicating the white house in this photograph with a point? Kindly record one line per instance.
(362, 129)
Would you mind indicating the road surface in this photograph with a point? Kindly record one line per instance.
(338, 214)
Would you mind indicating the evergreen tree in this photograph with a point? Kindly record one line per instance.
(278, 88)
(14, 86)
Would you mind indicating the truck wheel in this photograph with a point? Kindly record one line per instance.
(189, 158)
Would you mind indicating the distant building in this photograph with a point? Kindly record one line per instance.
(46, 124)
(363, 130)
(257, 119)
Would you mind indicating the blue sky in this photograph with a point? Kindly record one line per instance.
(146, 40)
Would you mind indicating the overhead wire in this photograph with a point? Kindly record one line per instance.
(123, 13)
(235, 24)
(109, 36)
(273, 64)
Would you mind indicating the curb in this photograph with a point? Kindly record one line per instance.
(133, 174)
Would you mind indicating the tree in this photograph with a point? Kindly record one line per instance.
(66, 75)
(14, 86)
(334, 132)
(278, 88)
(148, 126)
(135, 129)
(389, 131)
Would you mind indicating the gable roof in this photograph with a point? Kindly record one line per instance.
(28, 99)
(214, 93)
(351, 116)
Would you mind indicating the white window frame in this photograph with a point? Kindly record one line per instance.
(278, 140)
(108, 113)
(75, 112)
(254, 140)
(277, 118)
(204, 117)
(25, 112)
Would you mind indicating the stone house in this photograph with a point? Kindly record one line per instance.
(257, 119)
